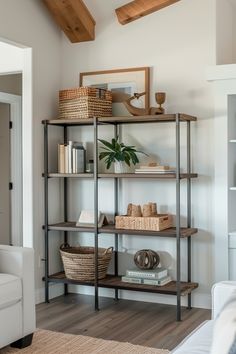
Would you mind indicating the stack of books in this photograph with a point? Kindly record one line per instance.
(154, 169)
(158, 276)
(71, 158)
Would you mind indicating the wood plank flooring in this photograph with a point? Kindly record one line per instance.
(142, 323)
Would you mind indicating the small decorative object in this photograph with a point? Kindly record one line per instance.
(146, 259)
(118, 152)
(146, 218)
(86, 219)
(149, 209)
(90, 166)
(136, 111)
(160, 99)
(136, 210)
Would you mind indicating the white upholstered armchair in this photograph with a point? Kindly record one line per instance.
(17, 303)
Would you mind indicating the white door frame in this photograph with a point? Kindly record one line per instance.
(14, 101)
(18, 59)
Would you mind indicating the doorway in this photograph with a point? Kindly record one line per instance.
(11, 169)
(16, 59)
(5, 170)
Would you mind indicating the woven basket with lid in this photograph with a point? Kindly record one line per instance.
(84, 102)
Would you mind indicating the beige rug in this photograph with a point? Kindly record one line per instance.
(48, 342)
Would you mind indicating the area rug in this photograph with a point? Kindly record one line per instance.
(48, 342)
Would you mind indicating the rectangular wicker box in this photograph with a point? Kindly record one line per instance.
(85, 102)
(150, 223)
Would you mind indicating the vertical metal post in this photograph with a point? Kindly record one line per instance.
(46, 210)
(178, 273)
(65, 206)
(116, 213)
(95, 156)
(189, 212)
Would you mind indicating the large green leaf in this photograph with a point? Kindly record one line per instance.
(115, 151)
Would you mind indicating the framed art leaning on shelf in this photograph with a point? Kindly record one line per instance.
(123, 83)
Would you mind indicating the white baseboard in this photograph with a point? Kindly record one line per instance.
(54, 291)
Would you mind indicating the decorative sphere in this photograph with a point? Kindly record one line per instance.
(146, 259)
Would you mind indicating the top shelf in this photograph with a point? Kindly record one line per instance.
(161, 118)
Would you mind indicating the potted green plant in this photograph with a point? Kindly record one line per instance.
(118, 153)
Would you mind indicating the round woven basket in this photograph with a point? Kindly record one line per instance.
(79, 262)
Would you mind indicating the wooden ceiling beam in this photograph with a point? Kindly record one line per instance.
(139, 8)
(74, 19)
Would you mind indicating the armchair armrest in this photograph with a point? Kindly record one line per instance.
(19, 261)
(221, 292)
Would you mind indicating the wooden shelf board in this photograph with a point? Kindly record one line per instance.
(110, 229)
(147, 175)
(123, 175)
(171, 232)
(161, 118)
(70, 175)
(69, 226)
(114, 282)
(64, 122)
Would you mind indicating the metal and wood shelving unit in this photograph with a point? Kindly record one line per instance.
(178, 287)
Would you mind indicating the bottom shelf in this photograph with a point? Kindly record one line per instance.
(114, 282)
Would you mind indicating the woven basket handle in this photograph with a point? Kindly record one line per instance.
(109, 250)
(64, 246)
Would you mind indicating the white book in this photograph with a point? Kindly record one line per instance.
(156, 167)
(61, 158)
(154, 171)
(132, 280)
(74, 160)
(157, 282)
(69, 156)
(66, 159)
(157, 273)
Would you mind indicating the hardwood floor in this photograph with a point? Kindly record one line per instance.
(136, 322)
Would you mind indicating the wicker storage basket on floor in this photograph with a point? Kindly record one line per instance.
(150, 223)
(79, 262)
(85, 102)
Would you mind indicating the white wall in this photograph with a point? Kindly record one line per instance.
(34, 28)
(225, 31)
(11, 84)
(178, 43)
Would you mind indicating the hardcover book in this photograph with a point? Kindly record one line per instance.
(159, 282)
(132, 280)
(155, 282)
(157, 273)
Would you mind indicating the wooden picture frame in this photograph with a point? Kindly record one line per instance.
(123, 83)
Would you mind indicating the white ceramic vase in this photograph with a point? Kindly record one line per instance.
(121, 167)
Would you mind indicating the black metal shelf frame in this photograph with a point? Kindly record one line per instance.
(46, 174)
